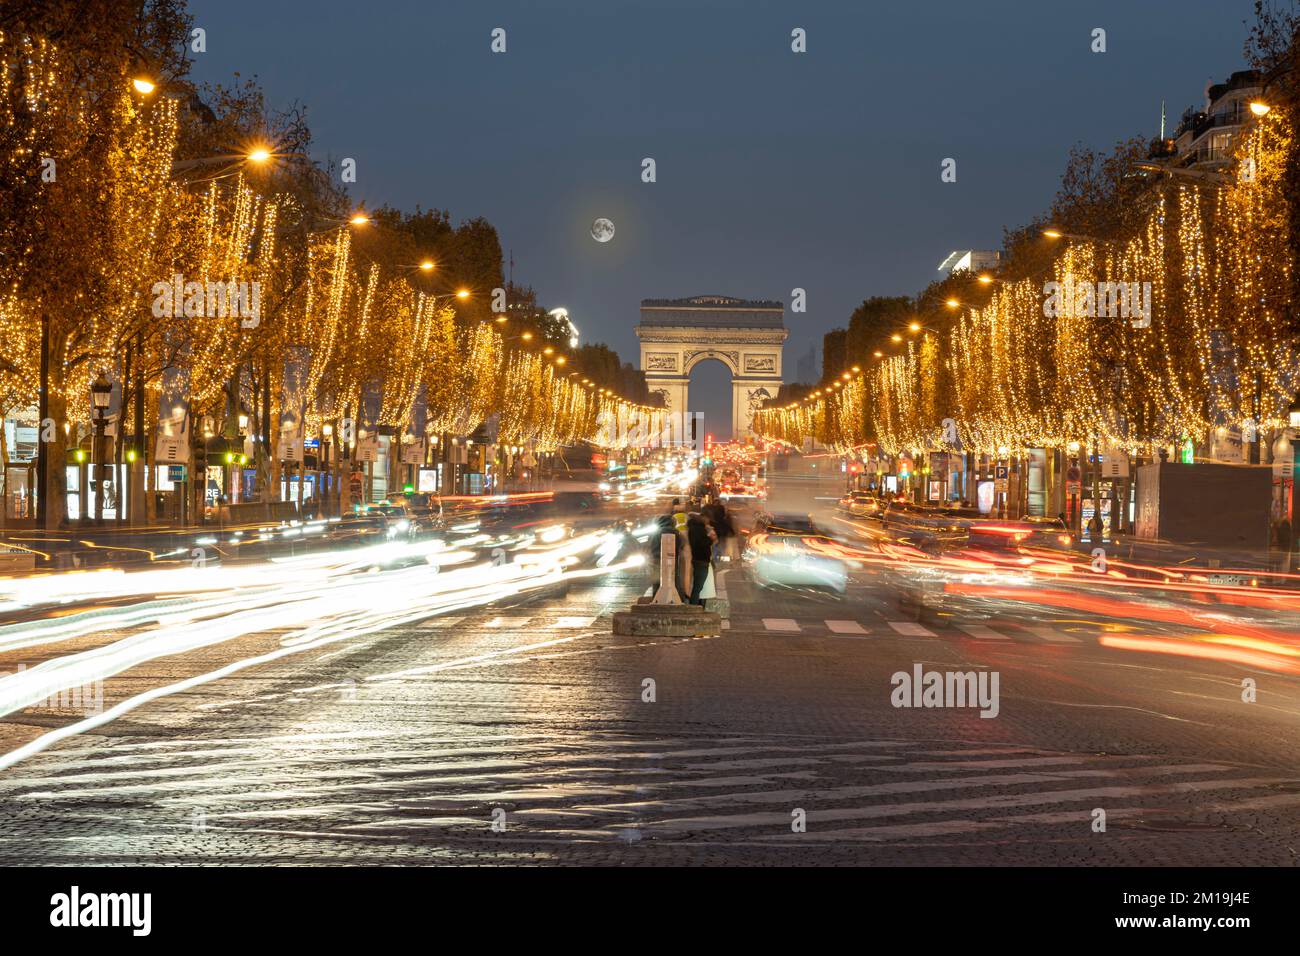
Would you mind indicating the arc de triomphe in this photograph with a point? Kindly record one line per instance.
(746, 336)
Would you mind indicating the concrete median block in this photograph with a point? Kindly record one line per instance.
(667, 620)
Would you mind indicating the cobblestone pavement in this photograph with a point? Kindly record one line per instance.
(524, 732)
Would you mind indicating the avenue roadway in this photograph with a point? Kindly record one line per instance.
(360, 711)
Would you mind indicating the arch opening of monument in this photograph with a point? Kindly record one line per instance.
(746, 336)
(709, 394)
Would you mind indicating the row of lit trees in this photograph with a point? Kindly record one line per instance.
(113, 183)
(993, 365)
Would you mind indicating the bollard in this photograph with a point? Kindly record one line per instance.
(667, 593)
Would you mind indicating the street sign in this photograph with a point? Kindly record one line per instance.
(367, 449)
(290, 447)
(1114, 466)
(412, 452)
(175, 473)
(1073, 487)
(1000, 473)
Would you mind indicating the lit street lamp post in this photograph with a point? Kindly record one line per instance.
(1293, 417)
(327, 492)
(101, 393)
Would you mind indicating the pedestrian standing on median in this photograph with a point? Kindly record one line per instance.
(700, 538)
(679, 514)
(722, 529)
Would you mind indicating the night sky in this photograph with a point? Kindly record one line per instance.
(775, 169)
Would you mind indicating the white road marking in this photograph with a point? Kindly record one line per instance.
(574, 622)
(1052, 636)
(443, 621)
(780, 624)
(508, 622)
(1006, 801)
(911, 629)
(846, 627)
(982, 633)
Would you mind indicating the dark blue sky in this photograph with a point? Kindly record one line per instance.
(775, 170)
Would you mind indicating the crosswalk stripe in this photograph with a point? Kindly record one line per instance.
(984, 802)
(982, 633)
(574, 622)
(443, 621)
(846, 627)
(911, 629)
(780, 624)
(1052, 636)
(508, 622)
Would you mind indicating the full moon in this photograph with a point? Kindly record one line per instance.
(602, 230)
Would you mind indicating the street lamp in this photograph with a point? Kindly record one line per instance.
(101, 393)
(1293, 418)
(327, 492)
(258, 155)
(1004, 455)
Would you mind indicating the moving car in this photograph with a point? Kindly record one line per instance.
(861, 504)
(926, 526)
(790, 549)
(1031, 532)
(361, 528)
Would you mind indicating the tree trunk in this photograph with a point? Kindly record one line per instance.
(56, 474)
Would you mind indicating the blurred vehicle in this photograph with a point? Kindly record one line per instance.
(789, 549)
(1030, 532)
(361, 528)
(928, 527)
(861, 504)
(427, 518)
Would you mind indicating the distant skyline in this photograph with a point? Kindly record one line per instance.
(775, 169)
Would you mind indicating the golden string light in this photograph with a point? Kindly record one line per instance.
(1217, 350)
